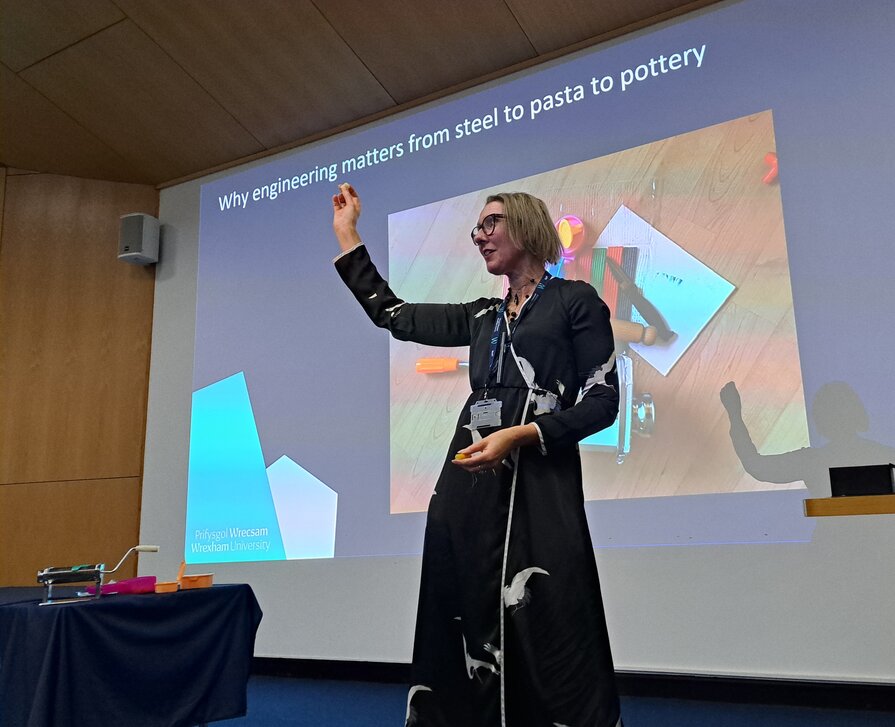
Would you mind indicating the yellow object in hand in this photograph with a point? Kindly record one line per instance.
(460, 455)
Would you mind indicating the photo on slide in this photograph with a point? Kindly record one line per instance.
(684, 239)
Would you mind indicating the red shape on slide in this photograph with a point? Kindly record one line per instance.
(610, 284)
(771, 160)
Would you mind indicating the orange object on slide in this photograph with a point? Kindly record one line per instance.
(438, 365)
(571, 233)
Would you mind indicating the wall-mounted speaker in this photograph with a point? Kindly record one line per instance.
(138, 238)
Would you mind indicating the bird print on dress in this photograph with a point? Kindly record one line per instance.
(395, 309)
(545, 401)
(598, 376)
(473, 665)
(495, 652)
(483, 311)
(410, 720)
(517, 593)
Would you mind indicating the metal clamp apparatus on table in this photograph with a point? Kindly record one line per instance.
(85, 573)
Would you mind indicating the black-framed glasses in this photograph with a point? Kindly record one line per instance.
(487, 226)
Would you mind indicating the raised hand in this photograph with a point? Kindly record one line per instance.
(730, 398)
(346, 211)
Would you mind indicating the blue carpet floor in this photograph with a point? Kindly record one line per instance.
(276, 702)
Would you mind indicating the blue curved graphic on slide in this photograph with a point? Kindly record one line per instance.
(230, 514)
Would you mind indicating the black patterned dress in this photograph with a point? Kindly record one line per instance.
(510, 625)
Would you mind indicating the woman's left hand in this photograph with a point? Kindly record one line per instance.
(490, 451)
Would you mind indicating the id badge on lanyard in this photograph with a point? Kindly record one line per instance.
(486, 412)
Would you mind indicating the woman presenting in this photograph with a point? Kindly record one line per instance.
(510, 625)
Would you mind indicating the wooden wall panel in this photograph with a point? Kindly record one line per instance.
(414, 49)
(37, 134)
(173, 88)
(251, 52)
(33, 30)
(65, 523)
(119, 84)
(562, 23)
(76, 326)
(2, 194)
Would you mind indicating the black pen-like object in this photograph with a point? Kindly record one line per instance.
(649, 312)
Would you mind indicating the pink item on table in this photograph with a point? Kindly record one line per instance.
(140, 584)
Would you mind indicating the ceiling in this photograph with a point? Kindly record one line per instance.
(153, 91)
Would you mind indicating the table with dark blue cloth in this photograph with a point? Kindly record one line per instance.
(151, 660)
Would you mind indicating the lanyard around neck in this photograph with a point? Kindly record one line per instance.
(498, 340)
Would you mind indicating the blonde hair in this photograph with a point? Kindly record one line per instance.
(529, 225)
